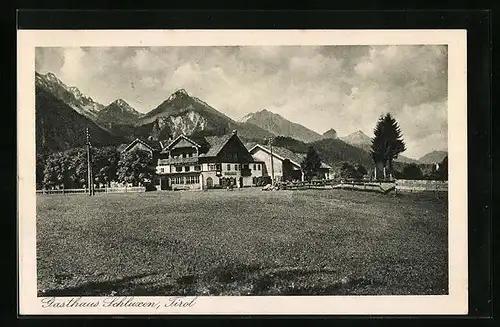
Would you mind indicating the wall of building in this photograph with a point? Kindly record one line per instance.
(211, 174)
(262, 155)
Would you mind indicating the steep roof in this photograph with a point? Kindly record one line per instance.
(250, 145)
(153, 145)
(216, 144)
(283, 153)
(122, 147)
(209, 146)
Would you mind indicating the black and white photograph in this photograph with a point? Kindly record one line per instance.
(188, 172)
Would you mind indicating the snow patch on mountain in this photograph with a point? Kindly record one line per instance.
(246, 117)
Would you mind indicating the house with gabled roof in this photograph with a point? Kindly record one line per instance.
(281, 159)
(206, 162)
(149, 145)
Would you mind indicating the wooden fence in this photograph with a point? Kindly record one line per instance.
(137, 189)
(371, 186)
(368, 186)
(361, 185)
(405, 185)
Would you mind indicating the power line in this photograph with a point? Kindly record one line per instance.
(272, 159)
(90, 183)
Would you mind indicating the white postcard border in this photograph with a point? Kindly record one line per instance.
(454, 303)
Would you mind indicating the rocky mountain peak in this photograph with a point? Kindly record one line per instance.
(121, 103)
(246, 117)
(331, 133)
(53, 78)
(72, 96)
(76, 92)
(181, 93)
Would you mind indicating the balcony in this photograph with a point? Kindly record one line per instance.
(173, 161)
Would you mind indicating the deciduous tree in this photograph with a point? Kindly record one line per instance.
(105, 164)
(412, 171)
(287, 170)
(347, 170)
(360, 171)
(443, 169)
(134, 167)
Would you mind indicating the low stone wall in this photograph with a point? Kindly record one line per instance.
(421, 185)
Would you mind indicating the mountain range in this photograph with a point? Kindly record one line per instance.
(278, 125)
(433, 157)
(363, 141)
(63, 112)
(60, 127)
(68, 94)
(118, 112)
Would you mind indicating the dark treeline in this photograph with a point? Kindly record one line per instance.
(68, 169)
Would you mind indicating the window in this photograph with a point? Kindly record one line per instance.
(245, 166)
(236, 167)
(178, 169)
(187, 168)
(162, 170)
(254, 167)
(228, 167)
(177, 180)
(197, 168)
(258, 166)
(212, 167)
(192, 179)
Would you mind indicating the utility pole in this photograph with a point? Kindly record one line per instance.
(90, 183)
(272, 160)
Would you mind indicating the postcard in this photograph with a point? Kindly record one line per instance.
(242, 172)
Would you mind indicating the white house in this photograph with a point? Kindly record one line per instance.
(206, 162)
(282, 157)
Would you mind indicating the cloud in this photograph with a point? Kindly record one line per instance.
(73, 69)
(320, 87)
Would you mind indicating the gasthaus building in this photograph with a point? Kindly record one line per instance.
(206, 162)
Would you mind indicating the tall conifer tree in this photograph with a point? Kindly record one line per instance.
(387, 142)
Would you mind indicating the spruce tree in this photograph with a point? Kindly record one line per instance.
(311, 163)
(387, 142)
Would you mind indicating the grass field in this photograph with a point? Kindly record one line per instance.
(245, 242)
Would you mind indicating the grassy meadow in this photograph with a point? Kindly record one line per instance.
(244, 242)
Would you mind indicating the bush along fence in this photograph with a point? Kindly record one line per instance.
(135, 189)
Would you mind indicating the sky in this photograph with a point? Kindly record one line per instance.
(346, 88)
